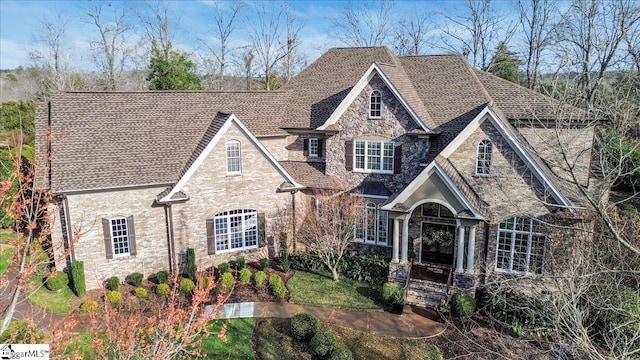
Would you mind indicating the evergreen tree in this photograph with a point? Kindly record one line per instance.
(505, 63)
(171, 70)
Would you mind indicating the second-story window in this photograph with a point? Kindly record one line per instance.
(375, 104)
(313, 147)
(374, 156)
(234, 161)
(483, 166)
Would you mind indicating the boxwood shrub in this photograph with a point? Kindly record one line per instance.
(186, 286)
(227, 280)
(135, 279)
(304, 326)
(224, 268)
(245, 276)
(341, 354)
(89, 306)
(57, 281)
(113, 283)
(241, 263)
(162, 277)
(140, 292)
(322, 344)
(260, 277)
(114, 297)
(163, 289)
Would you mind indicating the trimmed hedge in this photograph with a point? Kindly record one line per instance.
(114, 297)
(162, 277)
(370, 268)
(135, 279)
(186, 286)
(57, 281)
(140, 292)
(89, 306)
(322, 344)
(304, 326)
(192, 268)
(163, 289)
(77, 278)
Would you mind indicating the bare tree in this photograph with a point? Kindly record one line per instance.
(51, 56)
(536, 19)
(476, 32)
(411, 34)
(225, 24)
(591, 34)
(365, 23)
(328, 227)
(267, 34)
(156, 23)
(111, 49)
(293, 41)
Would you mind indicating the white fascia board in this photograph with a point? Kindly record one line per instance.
(357, 89)
(412, 187)
(207, 150)
(454, 189)
(465, 133)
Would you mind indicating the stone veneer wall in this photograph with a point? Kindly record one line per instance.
(86, 212)
(395, 123)
(295, 147)
(212, 191)
(276, 145)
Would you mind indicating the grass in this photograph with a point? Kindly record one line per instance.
(274, 342)
(55, 302)
(6, 237)
(238, 345)
(319, 289)
(5, 254)
(79, 347)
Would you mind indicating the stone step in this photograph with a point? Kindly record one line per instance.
(430, 300)
(427, 286)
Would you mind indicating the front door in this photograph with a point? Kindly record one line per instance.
(437, 243)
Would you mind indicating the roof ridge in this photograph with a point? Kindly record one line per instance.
(477, 79)
(103, 92)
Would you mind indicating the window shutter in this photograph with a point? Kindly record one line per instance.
(133, 250)
(305, 150)
(108, 245)
(397, 159)
(211, 237)
(348, 155)
(320, 148)
(262, 233)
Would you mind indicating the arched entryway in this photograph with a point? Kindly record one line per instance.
(437, 235)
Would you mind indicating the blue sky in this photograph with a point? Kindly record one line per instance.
(19, 21)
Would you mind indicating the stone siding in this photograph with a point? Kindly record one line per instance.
(295, 147)
(212, 191)
(86, 212)
(276, 146)
(355, 124)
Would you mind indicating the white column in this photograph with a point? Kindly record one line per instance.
(471, 249)
(396, 240)
(460, 250)
(405, 240)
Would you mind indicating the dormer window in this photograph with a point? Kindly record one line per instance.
(375, 104)
(313, 147)
(483, 165)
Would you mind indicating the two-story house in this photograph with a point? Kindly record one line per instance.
(455, 165)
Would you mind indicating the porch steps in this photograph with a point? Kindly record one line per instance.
(425, 293)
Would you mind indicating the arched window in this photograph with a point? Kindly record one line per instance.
(375, 104)
(483, 166)
(372, 226)
(520, 246)
(234, 161)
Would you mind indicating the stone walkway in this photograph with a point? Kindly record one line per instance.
(414, 322)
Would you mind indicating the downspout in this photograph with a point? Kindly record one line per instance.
(48, 144)
(67, 215)
(293, 218)
(170, 243)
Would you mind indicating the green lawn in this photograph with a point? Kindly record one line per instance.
(274, 342)
(238, 345)
(317, 289)
(5, 253)
(6, 237)
(55, 302)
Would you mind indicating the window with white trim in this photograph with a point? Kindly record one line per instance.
(520, 247)
(313, 147)
(483, 165)
(374, 156)
(372, 226)
(234, 161)
(120, 236)
(375, 104)
(236, 230)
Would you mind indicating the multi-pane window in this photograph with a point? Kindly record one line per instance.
(236, 229)
(375, 104)
(520, 247)
(374, 156)
(483, 165)
(313, 147)
(372, 226)
(234, 162)
(120, 236)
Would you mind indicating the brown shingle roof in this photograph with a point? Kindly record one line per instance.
(312, 175)
(116, 139)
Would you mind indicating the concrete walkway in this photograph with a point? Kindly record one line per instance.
(414, 322)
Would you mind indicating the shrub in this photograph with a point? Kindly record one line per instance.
(162, 276)
(192, 269)
(113, 283)
(241, 263)
(279, 290)
(286, 265)
(227, 280)
(322, 344)
(371, 268)
(224, 268)
(274, 279)
(264, 264)
(186, 286)
(140, 292)
(462, 304)
(89, 306)
(392, 294)
(203, 281)
(614, 311)
(23, 332)
(260, 277)
(135, 279)
(57, 281)
(304, 326)
(114, 297)
(77, 278)
(245, 276)
(341, 354)
(306, 261)
(163, 289)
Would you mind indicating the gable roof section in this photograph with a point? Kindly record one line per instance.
(105, 140)
(376, 69)
(219, 126)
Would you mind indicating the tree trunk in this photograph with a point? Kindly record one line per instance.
(334, 273)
